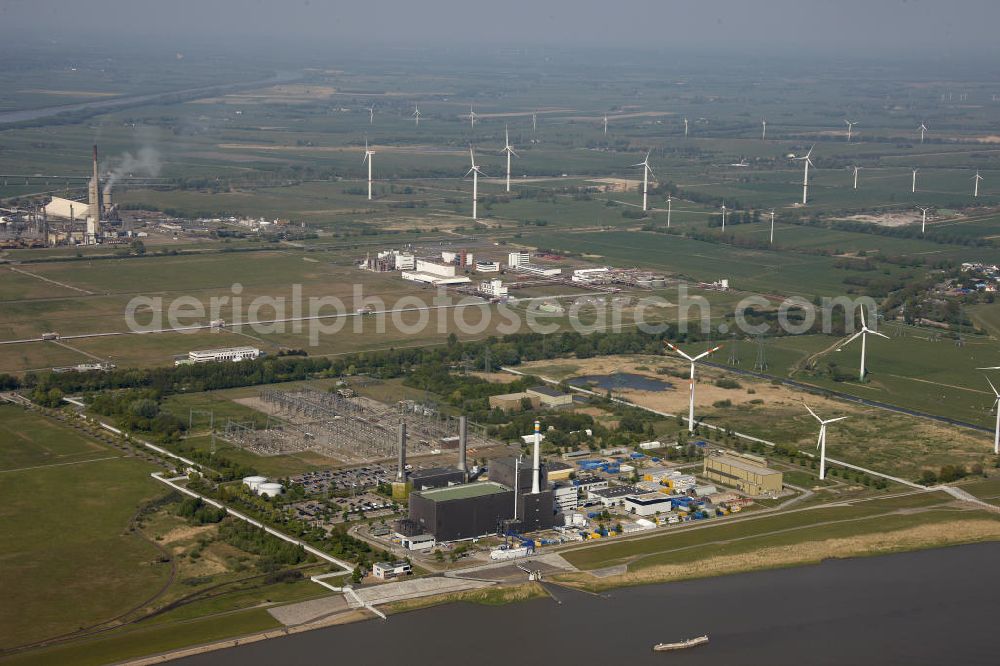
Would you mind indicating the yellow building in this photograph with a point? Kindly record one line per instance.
(743, 474)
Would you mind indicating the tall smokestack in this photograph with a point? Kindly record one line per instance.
(463, 444)
(401, 471)
(536, 462)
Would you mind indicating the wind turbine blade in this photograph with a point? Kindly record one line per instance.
(853, 338)
(678, 351)
(706, 353)
(881, 335)
(996, 367)
(812, 412)
(819, 440)
(997, 393)
(839, 418)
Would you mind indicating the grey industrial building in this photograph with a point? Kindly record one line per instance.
(464, 511)
(436, 477)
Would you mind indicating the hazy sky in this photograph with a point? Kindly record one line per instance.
(896, 27)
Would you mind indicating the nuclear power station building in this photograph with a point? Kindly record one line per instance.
(517, 498)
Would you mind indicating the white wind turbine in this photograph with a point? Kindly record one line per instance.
(863, 333)
(368, 158)
(856, 170)
(978, 180)
(692, 360)
(821, 442)
(509, 149)
(996, 404)
(646, 171)
(850, 129)
(914, 188)
(476, 172)
(923, 131)
(534, 122)
(371, 114)
(472, 117)
(605, 124)
(763, 131)
(685, 128)
(669, 201)
(416, 116)
(772, 226)
(807, 162)
(923, 221)
(723, 217)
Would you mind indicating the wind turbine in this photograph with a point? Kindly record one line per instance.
(850, 129)
(923, 221)
(807, 162)
(856, 170)
(685, 128)
(692, 360)
(978, 179)
(605, 124)
(646, 170)
(371, 114)
(996, 404)
(914, 188)
(772, 226)
(863, 333)
(763, 131)
(509, 149)
(669, 201)
(472, 117)
(476, 172)
(368, 158)
(534, 122)
(416, 115)
(821, 442)
(923, 131)
(723, 217)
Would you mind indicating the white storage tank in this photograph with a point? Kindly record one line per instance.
(253, 482)
(270, 489)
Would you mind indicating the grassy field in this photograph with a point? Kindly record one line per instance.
(31, 441)
(69, 560)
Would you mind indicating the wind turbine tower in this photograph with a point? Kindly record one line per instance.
(914, 188)
(509, 149)
(978, 179)
(685, 128)
(475, 171)
(368, 158)
(923, 221)
(863, 333)
(995, 405)
(807, 162)
(772, 226)
(763, 130)
(850, 129)
(923, 131)
(646, 171)
(821, 442)
(669, 201)
(605, 124)
(723, 217)
(692, 360)
(472, 117)
(371, 114)
(416, 116)
(856, 170)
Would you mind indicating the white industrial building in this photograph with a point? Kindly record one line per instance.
(566, 498)
(390, 570)
(515, 259)
(487, 266)
(589, 274)
(67, 209)
(270, 489)
(648, 504)
(227, 354)
(535, 269)
(494, 288)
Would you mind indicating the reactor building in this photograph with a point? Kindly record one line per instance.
(516, 499)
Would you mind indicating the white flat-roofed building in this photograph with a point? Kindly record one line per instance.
(495, 288)
(535, 269)
(434, 268)
(648, 505)
(405, 262)
(437, 280)
(588, 274)
(390, 570)
(227, 354)
(487, 266)
(515, 259)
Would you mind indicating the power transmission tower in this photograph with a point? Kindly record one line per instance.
(760, 364)
(734, 351)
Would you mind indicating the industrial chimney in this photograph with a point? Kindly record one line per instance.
(401, 471)
(463, 444)
(536, 462)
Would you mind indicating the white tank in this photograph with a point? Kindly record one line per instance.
(253, 482)
(270, 489)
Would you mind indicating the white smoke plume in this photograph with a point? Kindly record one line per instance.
(146, 162)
